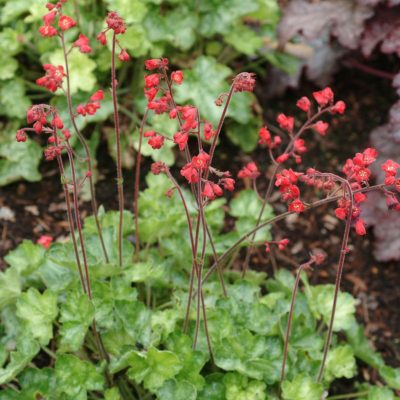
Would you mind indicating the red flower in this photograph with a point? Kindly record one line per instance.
(324, 96)
(124, 56)
(282, 158)
(150, 134)
(201, 161)
(57, 122)
(150, 93)
(115, 22)
(360, 227)
(285, 122)
(244, 82)
(67, 134)
(250, 170)
(101, 37)
(158, 167)
(297, 206)
(304, 104)
(208, 131)
(177, 77)
(228, 184)
(181, 139)
(91, 108)
(360, 197)
(390, 167)
(190, 173)
(282, 244)
(48, 31)
(156, 142)
(65, 22)
(341, 213)
(21, 135)
(265, 136)
(45, 241)
(339, 107)
(83, 44)
(53, 78)
(99, 95)
(48, 18)
(321, 127)
(299, 146)
(51, 152)
(151, 80)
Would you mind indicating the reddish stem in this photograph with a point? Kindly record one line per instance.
(137, 182)
(87, 152)
(120, 181)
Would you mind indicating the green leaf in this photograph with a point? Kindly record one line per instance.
(302, 387)
(246, 207)
(320, 298)
(192, 360)
(13, 100)
(244, 40)
(76, 316)
(153, 368)
(214, 388)
(10, 286)
(81, 70)
(8, 66)
(37, 312)
(203, 83)
(26, 258)
(37, 383)
(75, 377)
(244, 135)
(133, 11)
(18, 160)
(112, 394)
(27, 348)
(340, 363)
(239, 387)
(177, 390)
(135, 40)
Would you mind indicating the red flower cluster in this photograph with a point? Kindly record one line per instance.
(290, 192)
(356, 169)
(156, 63)
(266, 138)
(211, 190)
(83, 44)
(155, 141)
(244, 82)
(250, 170)
(64, 22)
(282, 244)
(285, 122)
(191, 170)
(390, 168)
(53, 78)
(92, 105)
(115, 22)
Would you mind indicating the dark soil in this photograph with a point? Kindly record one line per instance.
(39, 207)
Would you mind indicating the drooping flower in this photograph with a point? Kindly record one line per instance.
(115, 22)
(181, 138)
(190, 173)
(360, 227)
(201, 161)
(321, 127)
(285, 122)
(177, 77)
(156, 63)
(124, 56)
(45, 241)
(304, 104)
(250, 170)
(53, 78)
(65, 22)
(20, 135)
(83, 43)
(339, 107)
(208, 131)
(151, 80)
(297, 206)
(244, 82)
(324, 96)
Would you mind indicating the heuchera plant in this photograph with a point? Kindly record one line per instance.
(190, 340)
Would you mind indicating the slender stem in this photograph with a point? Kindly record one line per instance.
(71, 222)
(78, 221)
(289, 324)
(137, 181)
(120, 181)
(86, 149)
(342, 257)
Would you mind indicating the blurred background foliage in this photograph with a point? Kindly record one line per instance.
(210, 40)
